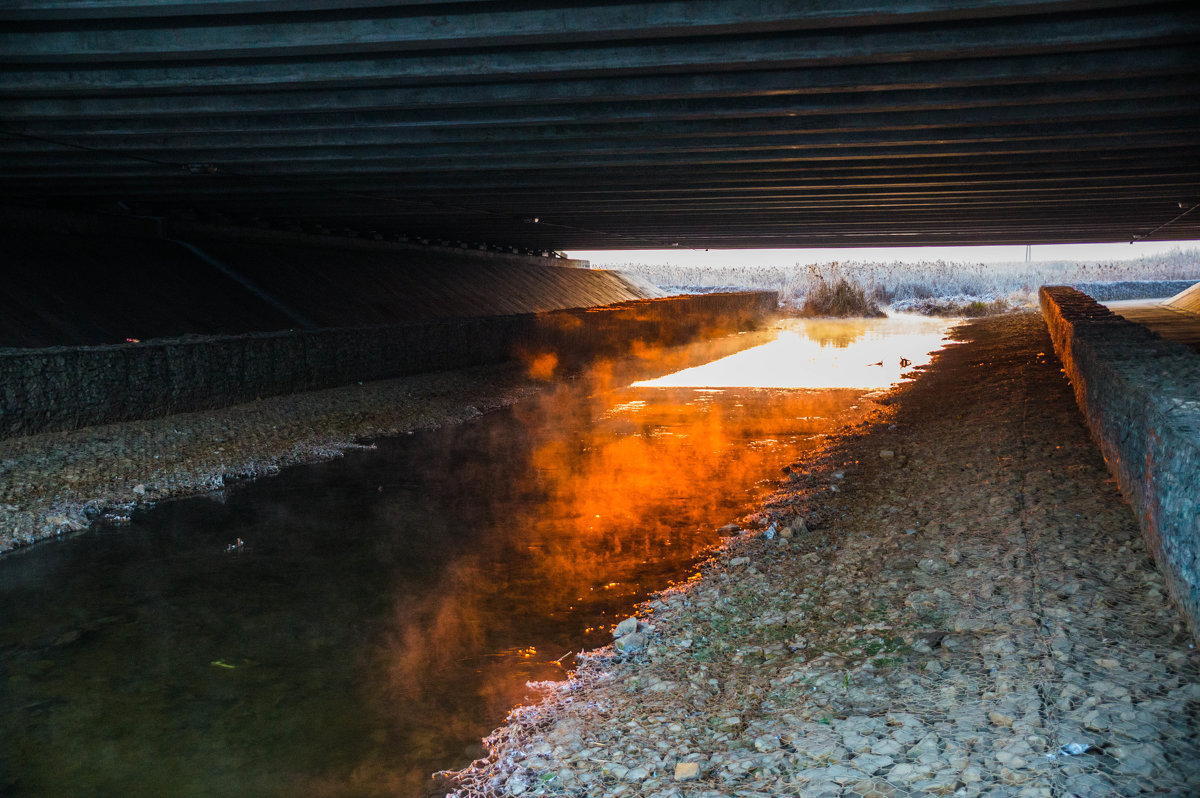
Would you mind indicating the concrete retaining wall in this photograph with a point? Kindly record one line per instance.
(78, 280)
(61, 388)
(1141, 397)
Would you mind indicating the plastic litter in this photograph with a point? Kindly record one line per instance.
(1070, 749)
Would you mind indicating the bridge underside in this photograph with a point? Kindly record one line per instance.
(611, 125)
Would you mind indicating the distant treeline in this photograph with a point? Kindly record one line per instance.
(926, 285)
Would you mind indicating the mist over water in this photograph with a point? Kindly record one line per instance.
(388, 608)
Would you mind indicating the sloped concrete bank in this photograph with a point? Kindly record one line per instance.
(61, 388)
(1141, 397)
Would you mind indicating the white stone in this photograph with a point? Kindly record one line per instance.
(906, 773)
(856, 742)
(871, 763)
(616, 770)
(886, 747)
(631, 642)
(625, 627)
(929, 744)
(766, 743)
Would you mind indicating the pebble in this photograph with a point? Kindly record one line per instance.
(687, 771)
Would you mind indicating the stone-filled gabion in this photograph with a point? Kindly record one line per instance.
(61, 388)
(1141, 397)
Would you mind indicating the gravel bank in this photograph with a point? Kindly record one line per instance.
(952, 599)
(58, 483)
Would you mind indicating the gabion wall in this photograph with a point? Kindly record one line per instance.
(62, 388)
(1141, 396)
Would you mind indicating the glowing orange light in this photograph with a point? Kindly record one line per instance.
(542, 366)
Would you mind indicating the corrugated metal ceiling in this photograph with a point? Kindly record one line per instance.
(702, 124)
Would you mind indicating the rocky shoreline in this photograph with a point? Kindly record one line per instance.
(59, 483)
(952, 599)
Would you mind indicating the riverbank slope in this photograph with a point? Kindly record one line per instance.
(951, 599)
(58, 483)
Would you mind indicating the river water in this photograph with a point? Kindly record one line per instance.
(385, 610)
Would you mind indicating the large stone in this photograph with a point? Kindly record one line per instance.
(906, 773)
(933, 566)
(766, 743)
(838, 774)
(929, 745)
(1000, 719)
(873, 789)
(631, 643)
(625, 627)
(871, 763)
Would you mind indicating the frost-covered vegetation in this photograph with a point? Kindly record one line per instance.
(931, 287)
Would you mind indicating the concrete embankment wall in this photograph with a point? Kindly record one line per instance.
(59, 388)
(83, 280)
(1141, 397)
(1188, 299)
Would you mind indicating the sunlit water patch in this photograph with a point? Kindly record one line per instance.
(823, 353)
(387, 609)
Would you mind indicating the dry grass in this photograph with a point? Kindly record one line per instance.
(841, 299)
(953, 288)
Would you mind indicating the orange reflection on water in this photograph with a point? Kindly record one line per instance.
(614, 496)
(598, 496)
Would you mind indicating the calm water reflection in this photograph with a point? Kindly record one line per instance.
(387, 608)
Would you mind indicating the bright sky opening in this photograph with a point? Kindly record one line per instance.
(788, 257)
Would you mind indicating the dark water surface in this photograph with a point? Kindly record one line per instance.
(388, 608)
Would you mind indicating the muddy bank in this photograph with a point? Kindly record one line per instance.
(951, 599)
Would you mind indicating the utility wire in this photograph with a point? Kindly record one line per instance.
(1137, 238)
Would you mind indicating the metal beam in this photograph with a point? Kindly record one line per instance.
(157, 80)
(1118, 28)
(317, 34)
(714, 122)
